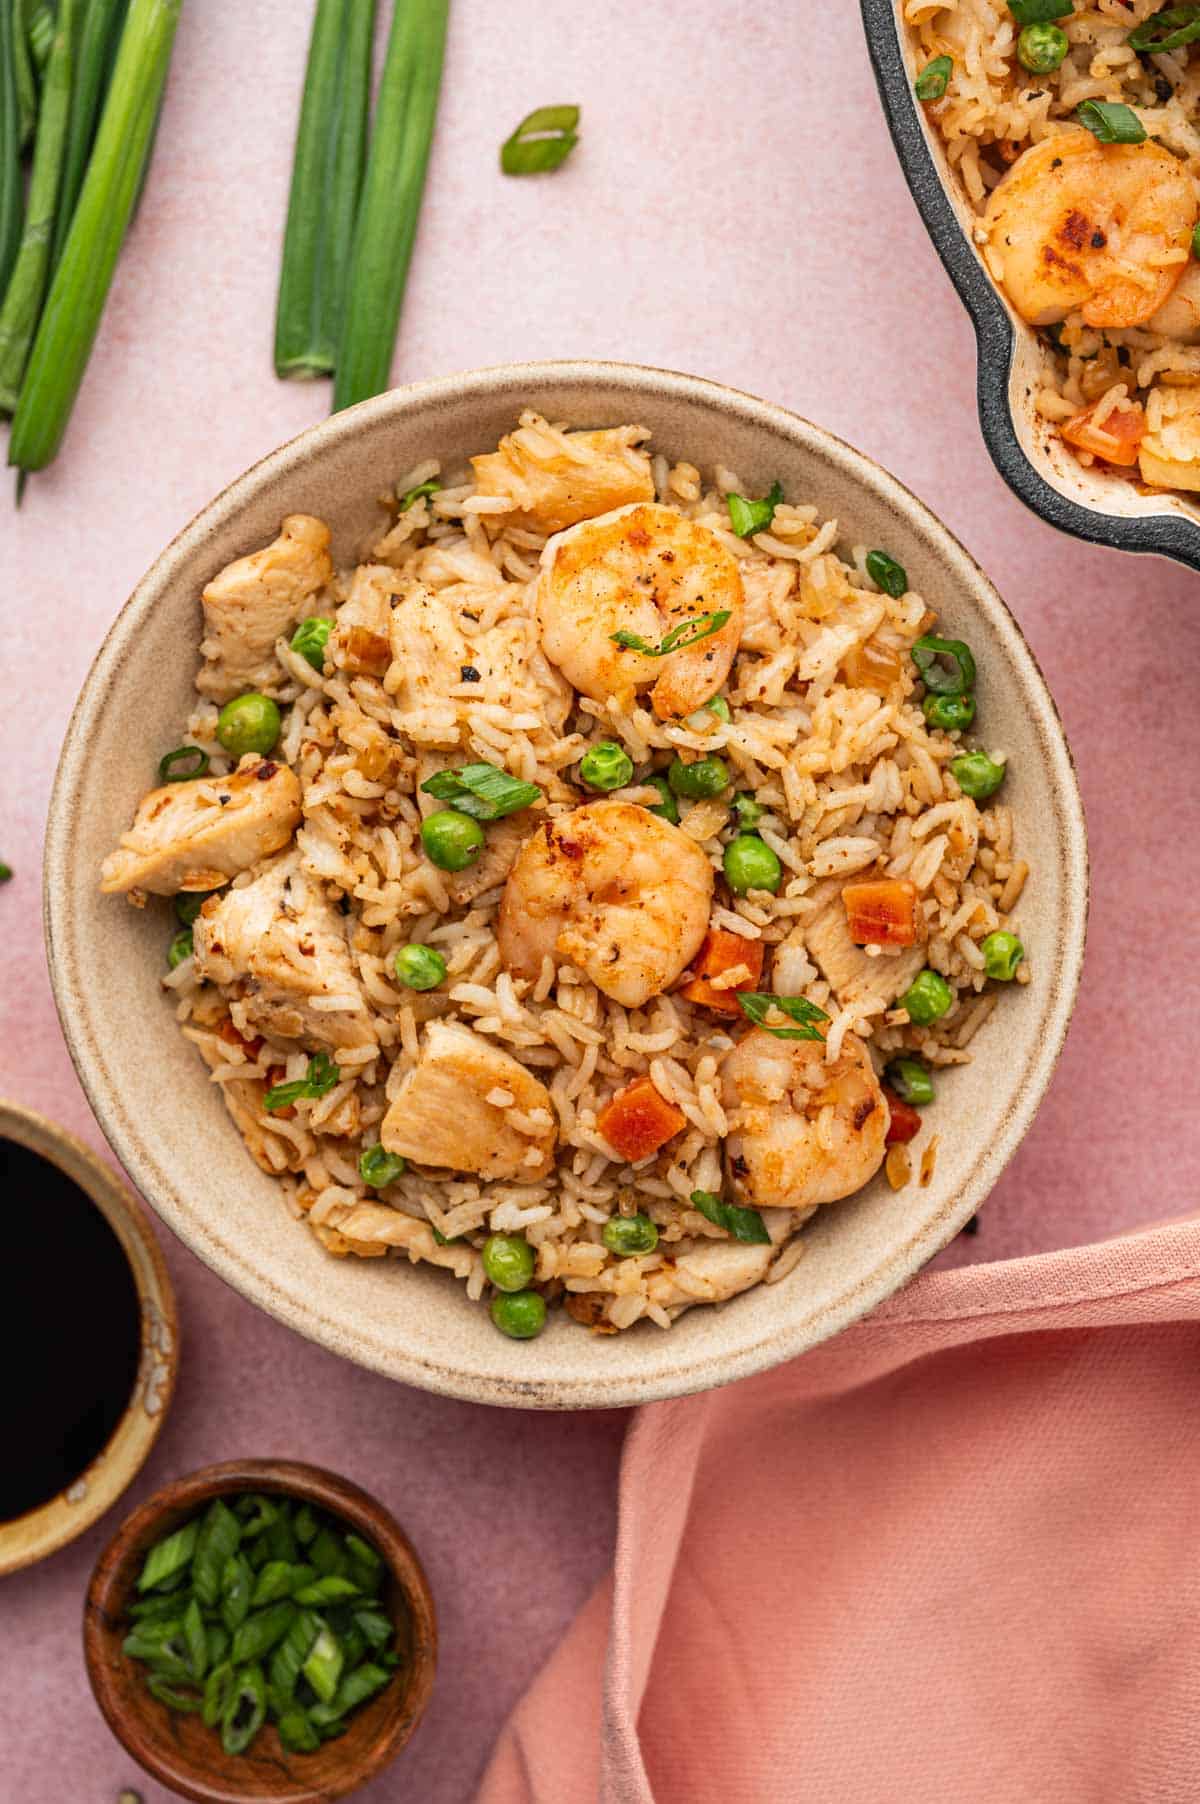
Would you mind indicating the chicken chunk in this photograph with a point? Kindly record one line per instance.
(279, 941)
(196, 835)
(553, 480)
(257, 600)
(434, 640)
(710, 1273)
(853, 973)
(449, 1110)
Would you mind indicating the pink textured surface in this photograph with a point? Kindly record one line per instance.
(728, 214)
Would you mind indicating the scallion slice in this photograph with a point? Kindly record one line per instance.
(756, 1005)
(1040, 12)
(422, 489)
(544, 140)
(1111, 121)
(747, 517)
(483, 791)
(181, 765)
(318, 1080)
(744, 1224)
(887, 574)
(932, 82)
(1170, 29)
(946, 665)
(688, 632)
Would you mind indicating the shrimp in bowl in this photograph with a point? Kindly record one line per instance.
(585, 888)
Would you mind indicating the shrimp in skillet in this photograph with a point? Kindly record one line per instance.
(646, 571)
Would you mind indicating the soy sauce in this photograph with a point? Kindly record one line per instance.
(70, 1330)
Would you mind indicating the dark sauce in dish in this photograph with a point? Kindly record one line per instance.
(70, 1330)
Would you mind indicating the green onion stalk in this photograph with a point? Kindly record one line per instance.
(27, 284)
(327, 173)
(99, 34)
(10, 149)
(23, 74)
(405, 112)
(82, 280)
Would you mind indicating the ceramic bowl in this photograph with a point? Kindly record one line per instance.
(1088, 503)
(44, 1530)
(152, 1093)
(179, 1750)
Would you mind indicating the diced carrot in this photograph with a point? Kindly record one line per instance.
(229, 1033)
(723, 952)
(882, 911)
(905, 1123)
(639, 1120)
(1116, 441)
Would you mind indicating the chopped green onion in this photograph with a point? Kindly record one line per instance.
(887, 574)
(172, 1697)
(327, 172)
(245, 1712)
(1169, 29)
(410, 496)
(946, 665)
(169, 1556)
(321, 1077)
(386, 226)
(81, 282)
(748, 517)
(5, 872)
(323, 1668)
(911, 1080)
(756, 1005)
(181, 947)
(194, 762)
(744, 1224)
(24, 80)
(483, 791)
(934, 78)
(377, 1168)
(688, 632)
(265, 1629)
(297, 1733)
(1039, 12)
(1111, 121)
(30, 273)
(98, 39)
(41, 35)
(310, 639)
(543, 141)
(330, 1588)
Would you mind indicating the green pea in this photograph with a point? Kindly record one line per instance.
(748, 811)
(669, 811)
(249, 723)
(1041, 48)
(521, 1316)
(310, 639)
(180, 948)
(927, 998)
(699, 780)
(451, 840)
(977, 775)
(950, 712)
(1002, 953)
(508, 1261)
(629, 1235)
(911, 1080)
(715, 705)
(419, 967)
(749, 863)
(606, 766)
(377, 1167)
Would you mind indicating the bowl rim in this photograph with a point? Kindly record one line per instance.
(660, 1380)
(111, 1579)
(62, 1518)
(1167, 534)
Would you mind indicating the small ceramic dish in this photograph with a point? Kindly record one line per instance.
(1087, 503)
(44, 1530)
(179, 1750)
(153, 1095)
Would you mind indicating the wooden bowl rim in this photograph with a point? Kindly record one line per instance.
(113, 1575)
(42, 1531)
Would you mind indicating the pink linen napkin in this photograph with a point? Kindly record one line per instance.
(954, 1555)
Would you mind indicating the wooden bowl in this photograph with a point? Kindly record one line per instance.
(179, 1750)
(60, 1519)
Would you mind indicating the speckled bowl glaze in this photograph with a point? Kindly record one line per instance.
(152, 1094)
(1090, 504)
(43, 1531)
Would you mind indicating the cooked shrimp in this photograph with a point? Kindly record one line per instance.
(1179, 316)
(1099, 229)
(644, 570)
(614, 890)
(450, 1109)
(803, 1132)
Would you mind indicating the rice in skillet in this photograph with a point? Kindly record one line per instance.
(505, 1025)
